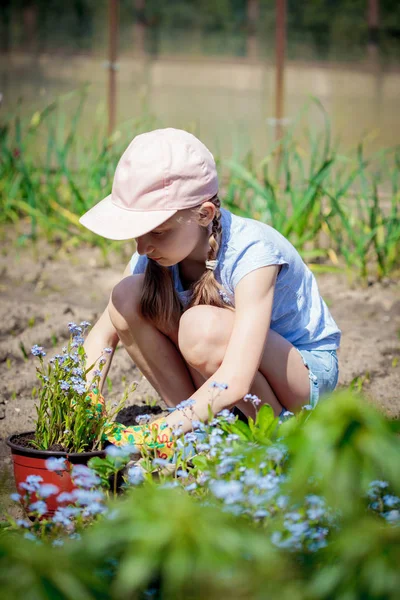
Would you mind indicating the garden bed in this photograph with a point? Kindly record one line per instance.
(43, 288)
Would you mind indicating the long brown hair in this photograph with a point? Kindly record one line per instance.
(160, 302)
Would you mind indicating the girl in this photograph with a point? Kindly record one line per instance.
(208, 298)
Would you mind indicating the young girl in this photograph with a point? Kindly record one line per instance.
(211, 305)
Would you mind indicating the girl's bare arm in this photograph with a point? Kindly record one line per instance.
(254, 296)
(102, 335)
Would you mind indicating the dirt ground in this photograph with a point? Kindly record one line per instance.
(43, 288)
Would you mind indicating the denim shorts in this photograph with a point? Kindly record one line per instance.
(323, 372)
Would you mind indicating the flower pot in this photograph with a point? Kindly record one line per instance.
(29, 461)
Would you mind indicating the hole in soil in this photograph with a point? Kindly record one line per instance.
(127, 416)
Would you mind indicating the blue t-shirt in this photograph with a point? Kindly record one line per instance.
(299, 314)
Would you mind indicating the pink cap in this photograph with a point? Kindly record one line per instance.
(160, 172)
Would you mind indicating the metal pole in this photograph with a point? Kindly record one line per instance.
(139, 28)
(280, 43)
(253, 15)
(113, 12)
(373, 28)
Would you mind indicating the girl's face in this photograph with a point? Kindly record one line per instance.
(183, 236)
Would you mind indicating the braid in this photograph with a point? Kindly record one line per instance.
(216, 231)
(207, 289)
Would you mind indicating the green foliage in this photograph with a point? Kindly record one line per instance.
(66, 415)
(50, 174)
(194, 542)
(330, 206)
(345, 445)
(315, 193)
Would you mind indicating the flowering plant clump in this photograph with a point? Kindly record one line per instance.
(241, 470)
(310, 494)
(68, 418)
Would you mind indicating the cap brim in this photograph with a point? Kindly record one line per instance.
(116, 223)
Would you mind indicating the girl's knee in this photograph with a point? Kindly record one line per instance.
(124, 304)
(199, 338)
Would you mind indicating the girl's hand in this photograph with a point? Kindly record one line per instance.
(97, 401)
(156, 436)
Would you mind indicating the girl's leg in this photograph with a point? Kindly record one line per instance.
(282, 378)
(154, 353)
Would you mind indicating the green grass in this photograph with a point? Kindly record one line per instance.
(340, 211)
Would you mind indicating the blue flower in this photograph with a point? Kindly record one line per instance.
(56, 464)
(191, 487)
(78, 341)
(277, 540)
(261, 513)
(379, 484)
(160, 462)
(314, 514)
(63, 515)
(58, 542)
(93, 508)
(135, 475)
(169, 485)
(276, 453)
(32, 483)
(250, 477)
(15, 497)
(286, 415)
(108, 350)
(65, 497)
(40, 507)
(202, 447)
(75, 329)
(121, 451)
(182, 473)
(64, 386)
(85, 324)
(219, 386)
(86, 497)
(392, 516)
(315, 500)
(391, 501)
(80, 388)
(48, 489)
(185, 404)
(24, 523)
(38, 350)
(226, 466)
(34, 479)
(202, 478)
(84, 477)
(228, 491)
(254, 400)
(143, 419)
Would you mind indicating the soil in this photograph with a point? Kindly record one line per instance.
(43, 287)
(26, 440)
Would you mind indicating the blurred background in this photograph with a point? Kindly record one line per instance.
(210, 65)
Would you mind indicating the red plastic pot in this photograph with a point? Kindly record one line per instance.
(29, 461)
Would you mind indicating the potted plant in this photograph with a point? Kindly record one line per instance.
(70, 424)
